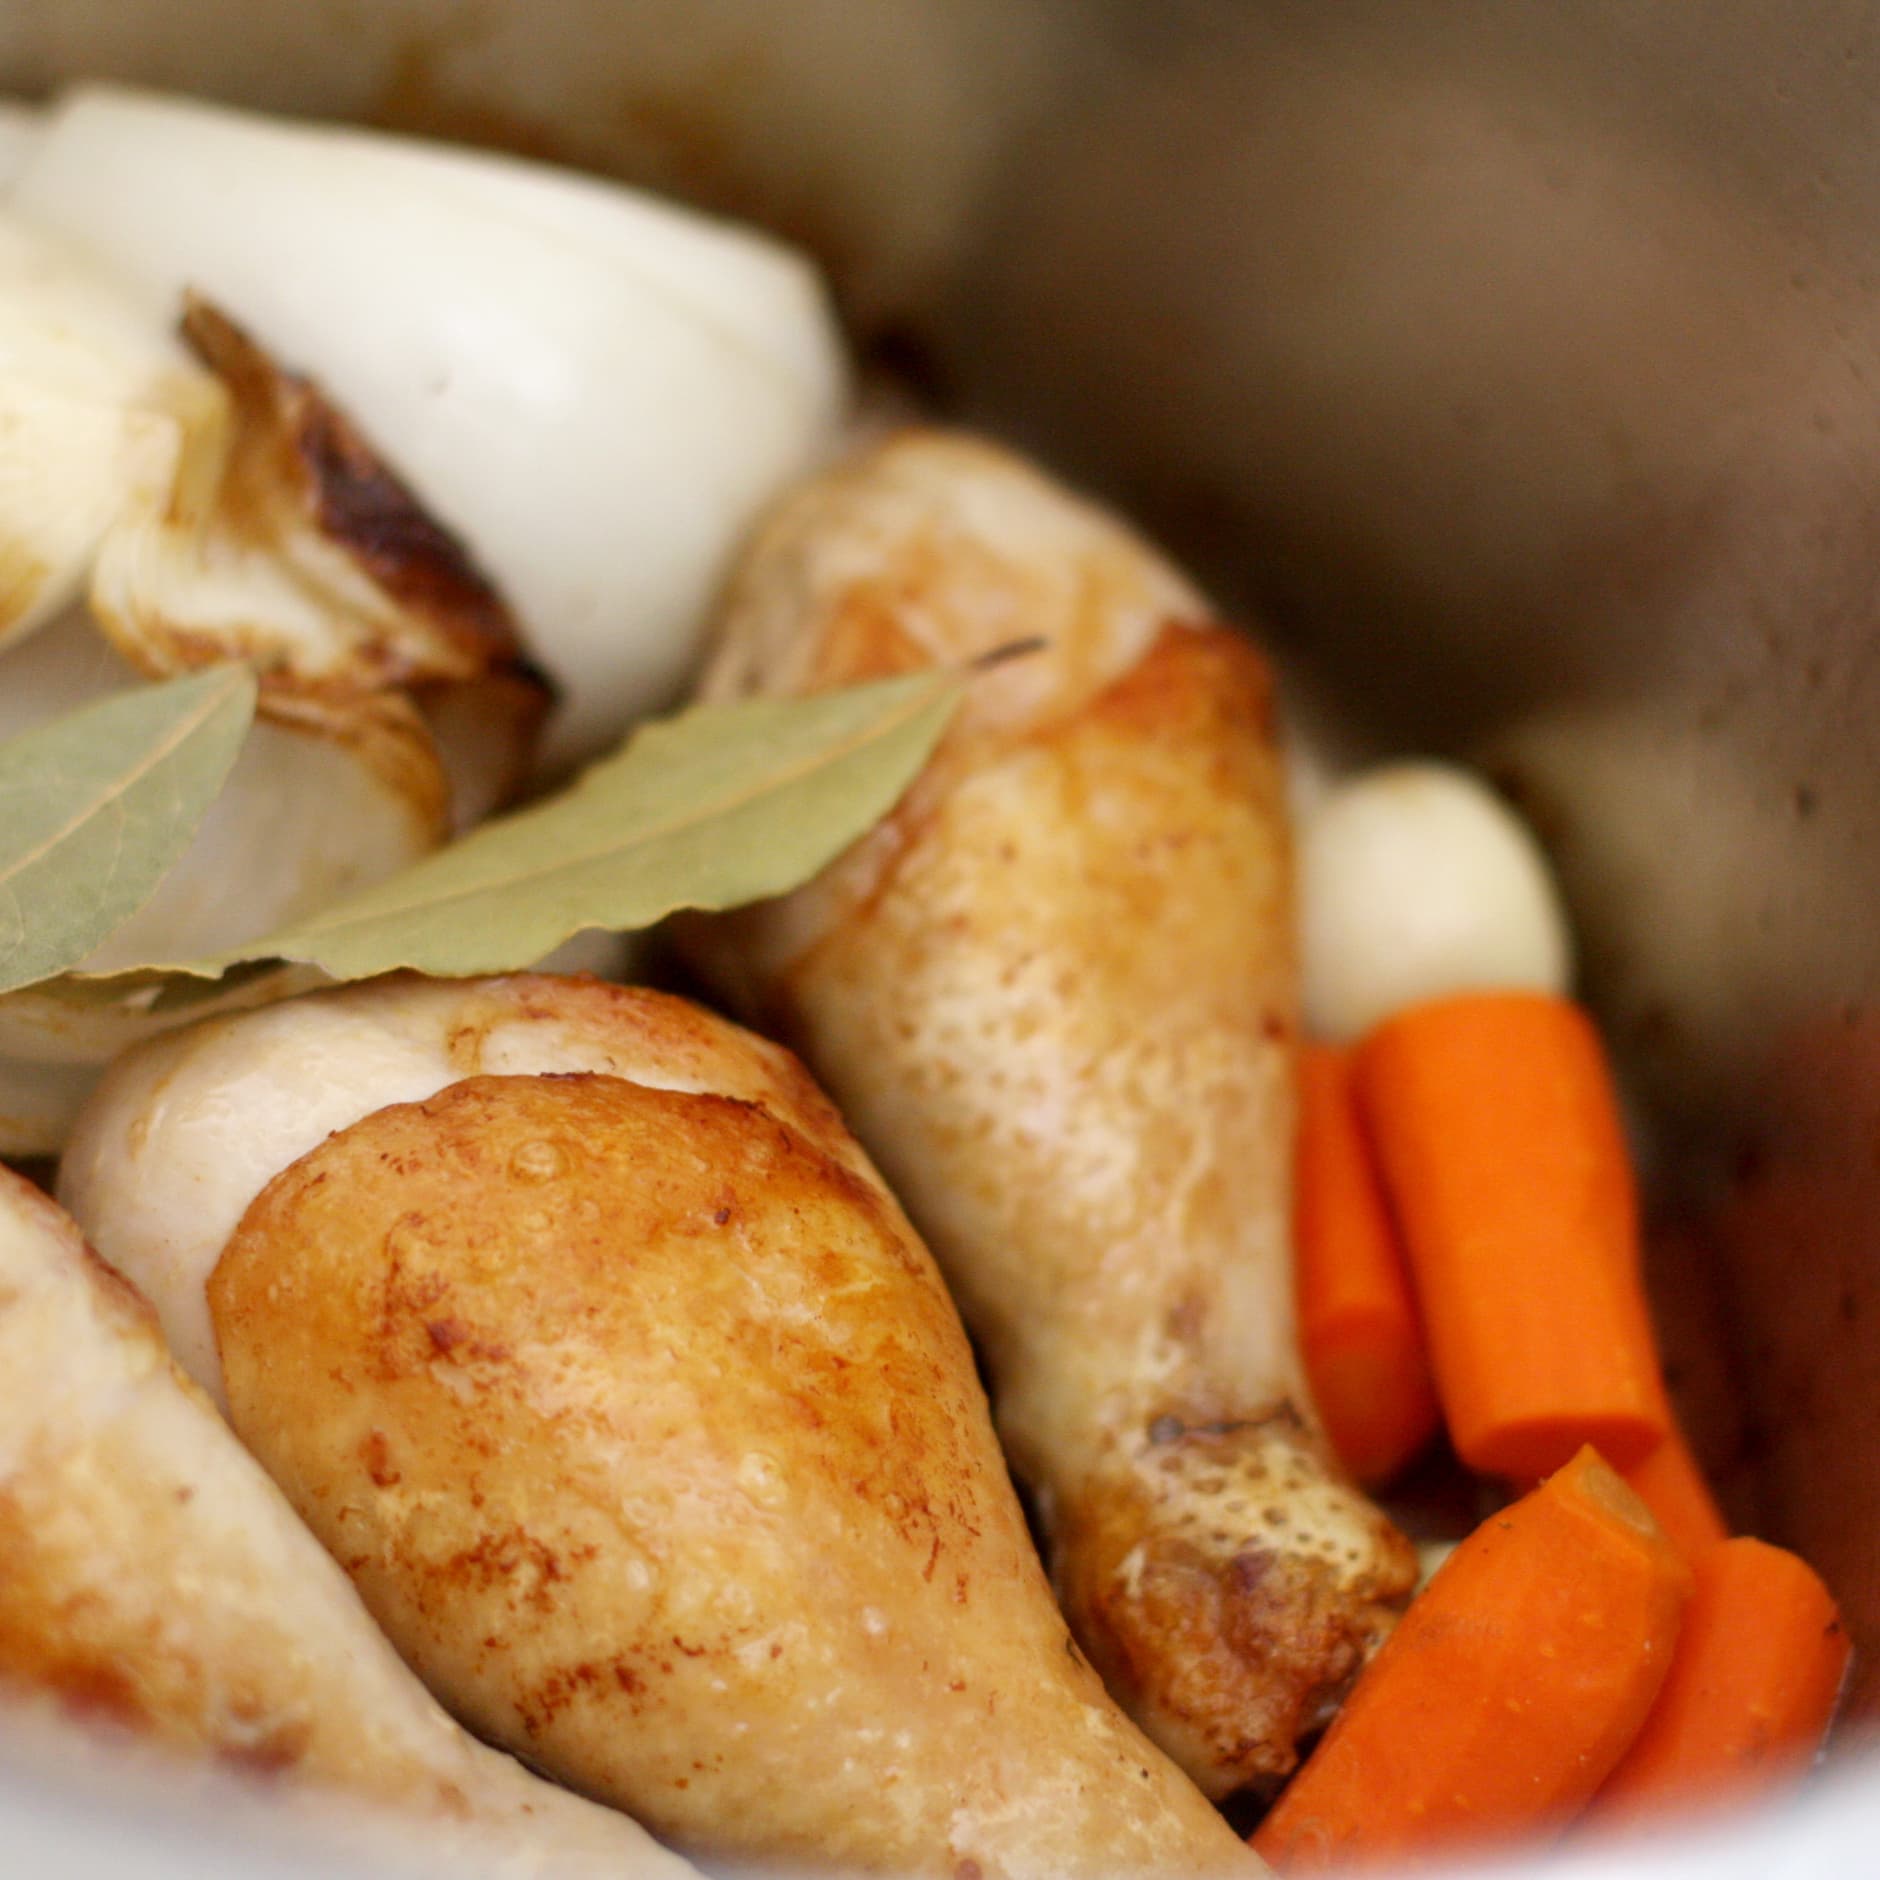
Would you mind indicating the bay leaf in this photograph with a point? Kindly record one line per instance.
(717, 806)
(96, 806)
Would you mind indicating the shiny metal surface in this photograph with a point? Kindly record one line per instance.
(1514, 363)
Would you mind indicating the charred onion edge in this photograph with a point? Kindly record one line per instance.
(356, 502)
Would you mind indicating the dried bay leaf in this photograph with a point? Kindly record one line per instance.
(97, 806)
(717, 806)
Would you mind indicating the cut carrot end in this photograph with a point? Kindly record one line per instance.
(1674, 1486)
(1497, 1131)
(1594, 1479)
(1507, 1694)
(1751, 1692)
(1527, 1449)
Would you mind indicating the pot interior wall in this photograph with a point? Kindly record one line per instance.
(1513, 363)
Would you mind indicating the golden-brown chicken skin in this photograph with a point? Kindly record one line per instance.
(154, 1582)
(184, 1131)
(644, 1424)
(1054, 994)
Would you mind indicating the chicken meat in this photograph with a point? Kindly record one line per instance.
(157, 1584)
(577, 1325)
(1054, 993)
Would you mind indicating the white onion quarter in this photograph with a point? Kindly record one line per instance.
(596, 390)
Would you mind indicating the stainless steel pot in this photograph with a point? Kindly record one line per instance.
(1515, 364)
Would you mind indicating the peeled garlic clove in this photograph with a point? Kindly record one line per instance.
(657, 387)
(1416, 881)
(96, 399)
(154, 1572)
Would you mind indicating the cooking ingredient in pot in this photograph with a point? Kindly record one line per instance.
(209, 505)
(187, 1130)
(1673, 1487)
(300, 550)
(1752, 1687)
(1505, 1697)
(1055, 994)
(135, 773)
(184, 1131)
(1359, 1328)
(157, 1583)
(1415, 881)
(1497, 1128)
(647, 1430)
(305, 812)
(599, 390)
(711, 807)
(98, 399)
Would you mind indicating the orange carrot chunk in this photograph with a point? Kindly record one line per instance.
(1358, 1324)
(1752, 1688)
(1497, 1131)
(1505, 1697)
(1672, 1486)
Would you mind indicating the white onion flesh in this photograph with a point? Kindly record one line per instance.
(1417, 881)
(304, 818)
(598, 393)
(309, 812)
(188, 505)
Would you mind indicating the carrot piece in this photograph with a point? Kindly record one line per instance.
(1497, 1131)
(1752, 1687)
(1672, 1486)
(1358, 1324)
(1507, 1694)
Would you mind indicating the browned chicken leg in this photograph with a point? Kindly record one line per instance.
(640, 1417)
(152, 1578)
(1054, 994)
